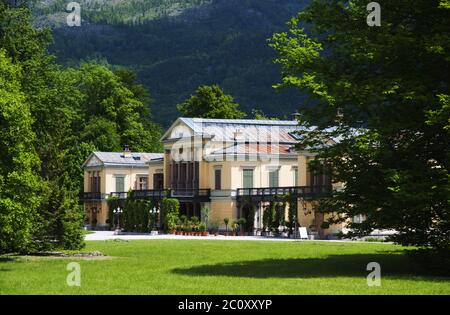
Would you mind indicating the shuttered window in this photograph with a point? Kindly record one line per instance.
(218, 179)
(120, 184)
(273, 178)
(248, 178)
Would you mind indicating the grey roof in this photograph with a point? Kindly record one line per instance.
(118, 158)
(257, 149)
(280, 131)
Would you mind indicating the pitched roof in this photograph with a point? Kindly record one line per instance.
(139, 159)
(256, 149)
(281, 131)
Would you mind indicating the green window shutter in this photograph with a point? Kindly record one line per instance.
(296, 177)
(120, 184)
(248, 178)
(273, 178)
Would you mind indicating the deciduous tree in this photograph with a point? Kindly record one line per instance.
(384, 91)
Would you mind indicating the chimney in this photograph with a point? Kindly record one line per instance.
(126, 152)
(237, 136)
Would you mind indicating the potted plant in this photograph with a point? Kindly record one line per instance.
(241, 222)
(234, 227)
(172, 227)
(226, 221)
(215, 227)
(202, 229)
(195, 223)
(188, 227)
(184, 220)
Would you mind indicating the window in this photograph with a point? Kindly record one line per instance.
(359, 218)
(120, 184)
(95, 181)
(142, 183)
(248, 178)
(218, 179)
(273, 178)
(158, 181)
(295, 169)
(320, 179)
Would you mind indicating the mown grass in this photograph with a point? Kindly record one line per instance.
(222, 267)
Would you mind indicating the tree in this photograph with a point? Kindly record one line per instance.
(114, 101)
(259, 115)
(383, 92)
(210, 102)
(70, 109)
(19, 163)
(53, 106)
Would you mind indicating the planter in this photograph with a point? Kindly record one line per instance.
(205, 233)
(173, 232)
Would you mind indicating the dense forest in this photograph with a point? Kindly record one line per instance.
(176, 46)
(51, 119)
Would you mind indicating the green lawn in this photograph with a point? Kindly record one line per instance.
(222, 267)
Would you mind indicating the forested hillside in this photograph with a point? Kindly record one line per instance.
(176, 46)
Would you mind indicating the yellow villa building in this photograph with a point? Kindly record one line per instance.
(230, 166)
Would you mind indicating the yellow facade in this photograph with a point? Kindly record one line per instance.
(192, 163)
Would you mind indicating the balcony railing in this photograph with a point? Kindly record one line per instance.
(150, 194)
(91, 196)
(119, 195)
(300, 191)
(191, 194)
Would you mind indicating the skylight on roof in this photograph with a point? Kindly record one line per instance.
(296, 136)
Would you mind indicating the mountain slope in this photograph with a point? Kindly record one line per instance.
(175, 46)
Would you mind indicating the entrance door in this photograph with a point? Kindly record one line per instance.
(248, 213)
(93, 217)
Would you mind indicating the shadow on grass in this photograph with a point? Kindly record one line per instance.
(4, 259)
(393, 265)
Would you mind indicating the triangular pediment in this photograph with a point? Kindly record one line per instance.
(179, 129)
(93, 161)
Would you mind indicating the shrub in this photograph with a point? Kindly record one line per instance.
(226, 221)
(214, 226)
(170, 207)
(205, 215)
(202, 227)
(113, 203)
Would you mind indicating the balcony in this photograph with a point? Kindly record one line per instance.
(191, 194)
(119, 195)
(92, 196)
(155, 194)
(269, 193)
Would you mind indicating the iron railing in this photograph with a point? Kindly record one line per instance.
(92, 196)
(300, 191)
